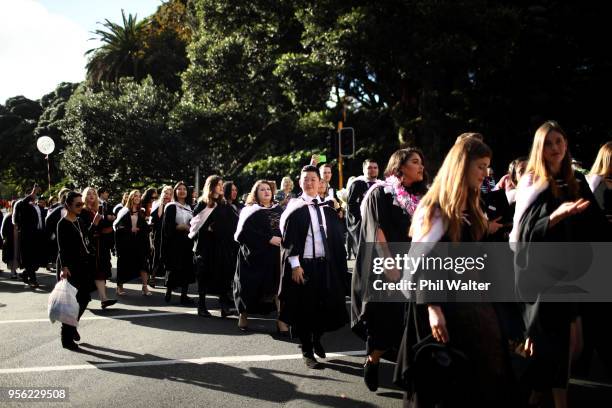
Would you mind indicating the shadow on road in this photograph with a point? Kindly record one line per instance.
(257, 383)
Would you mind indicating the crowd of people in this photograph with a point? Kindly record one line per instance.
(287, 253)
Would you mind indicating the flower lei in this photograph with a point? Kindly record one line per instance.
(402, 198)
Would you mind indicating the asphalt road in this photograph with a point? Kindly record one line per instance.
(143, 352)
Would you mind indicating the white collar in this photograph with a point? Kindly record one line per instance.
(308, 198)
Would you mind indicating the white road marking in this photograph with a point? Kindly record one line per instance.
(202, 360)
(114, 317)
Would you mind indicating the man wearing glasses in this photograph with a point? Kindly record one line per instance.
(74, 258)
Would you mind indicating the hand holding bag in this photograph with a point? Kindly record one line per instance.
(63, 305)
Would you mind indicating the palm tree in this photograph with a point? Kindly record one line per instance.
(120, 54)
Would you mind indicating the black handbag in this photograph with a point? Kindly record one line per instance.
(437, 370)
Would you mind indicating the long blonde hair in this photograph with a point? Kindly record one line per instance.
(130, 200)
(603, 162)
(96, 204)
(450, 191)
(539, 170)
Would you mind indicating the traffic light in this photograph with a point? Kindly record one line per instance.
(332, 143)
(346, 142)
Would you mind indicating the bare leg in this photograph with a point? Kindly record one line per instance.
(144, 277)
(101, 286)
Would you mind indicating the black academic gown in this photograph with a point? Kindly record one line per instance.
(176, 251)
(380, 324)
(53, 216)
(475, 331)
(8, 240)
(319, 304)
(356, 194)
(547, 323)
(156, 228)
(258, 270)
(216, 250)
(132, 248)
(32, 246)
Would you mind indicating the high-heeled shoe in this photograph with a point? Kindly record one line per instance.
(120, 291)
(146, 292)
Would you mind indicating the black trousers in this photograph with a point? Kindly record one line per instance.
(68, 331)
(308, 338)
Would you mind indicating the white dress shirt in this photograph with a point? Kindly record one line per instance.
(318, 240)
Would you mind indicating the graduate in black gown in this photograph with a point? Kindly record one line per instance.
(387, 211)
(54, 214)
(74, 262)
(8, 241)
(133, 245)
(554, 204)
(213, 228)
(92, 216)
(314, 262)
(258, 270)
(356, 192)
(157, 213)
(28, 219)
(230, 193)
(176, 246)
(451, 212)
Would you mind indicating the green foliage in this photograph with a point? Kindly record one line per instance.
(121, 53)
(154, 46)
(233, 108)
(119, 137)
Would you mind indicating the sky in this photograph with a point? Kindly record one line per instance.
(42, 42)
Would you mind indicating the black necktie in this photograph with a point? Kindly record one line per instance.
(321, 228)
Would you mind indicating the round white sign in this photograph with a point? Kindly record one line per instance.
(45, 145)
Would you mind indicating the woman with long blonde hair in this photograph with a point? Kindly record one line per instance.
(553, 204)
(600, 179)
(450, 212)
(212, 229)
(132, 242)
(92, 215)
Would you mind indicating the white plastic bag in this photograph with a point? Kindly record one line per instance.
(63, 305)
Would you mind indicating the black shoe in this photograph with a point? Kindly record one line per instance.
(70, 345)
(318, 349)
(108, 302)
(204, 313)
(370, 375)
(187, 301)
(77, 336)
(310, 360)
(168, 296)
